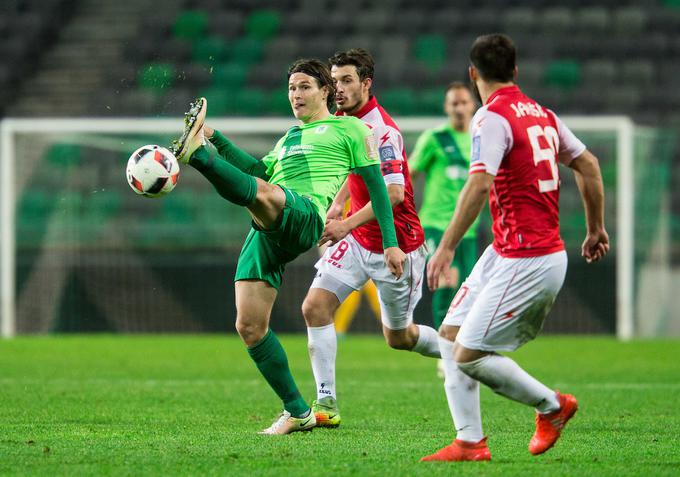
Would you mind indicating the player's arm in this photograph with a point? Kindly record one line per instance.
(337, 229)
(235, 156)
(337, 207)
(470, 203)
(573, 153)
(420, 159)
(589, 181)
(491, 138)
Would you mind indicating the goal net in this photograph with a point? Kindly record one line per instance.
(81, 252)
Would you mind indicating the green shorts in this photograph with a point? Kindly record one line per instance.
(466, 253)
(265, 253)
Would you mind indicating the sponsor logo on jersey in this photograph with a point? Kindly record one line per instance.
(289, 151)
(387, 153)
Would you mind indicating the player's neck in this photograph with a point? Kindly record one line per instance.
(487, 89)
(461, 128)
(321, 114)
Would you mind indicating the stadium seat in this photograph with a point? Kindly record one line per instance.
(263, 24)
(251, 102)
(630, 20)
(229, 75)
(211, 50)
(399, 101)
(639, 73)
(518, 20)
(599, 73)
(563, 74)
(556, 19)
(246, 50)
(226, 24)
(191, 24)
(592, 20)
(156, 76)
(278, 102)
(430, 50)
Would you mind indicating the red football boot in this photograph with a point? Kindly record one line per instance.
(459, 451)
(549, 426)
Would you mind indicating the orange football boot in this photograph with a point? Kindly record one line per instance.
(549, 426)
(459, 451)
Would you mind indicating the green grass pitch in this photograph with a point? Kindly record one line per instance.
(191, 405)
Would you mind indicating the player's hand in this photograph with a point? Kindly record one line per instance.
(335, 211)
(395, 258)
(595, 246)
(439, 262)
(334, 231)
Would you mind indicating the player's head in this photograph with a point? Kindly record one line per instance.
(492, 59)
(459, 105)
(310, 89)
(352, 72)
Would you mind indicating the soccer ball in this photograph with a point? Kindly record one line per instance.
(152, 171)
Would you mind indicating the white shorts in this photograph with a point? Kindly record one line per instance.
(347, 266)
(504, 301)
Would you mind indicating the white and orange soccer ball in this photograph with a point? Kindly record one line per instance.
(152, 171)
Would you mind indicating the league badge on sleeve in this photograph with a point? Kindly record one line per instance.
(387, 153)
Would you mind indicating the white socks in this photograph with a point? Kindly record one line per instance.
(428, 342)
(462, 394)
(506, 378)
(322, 343)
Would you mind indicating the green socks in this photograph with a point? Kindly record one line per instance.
(271, 360)
(238, 158)
(231, 183)
(441, 301)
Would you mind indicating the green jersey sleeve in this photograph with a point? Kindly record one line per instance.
(361, 144)
(423, 154)
(272, 156)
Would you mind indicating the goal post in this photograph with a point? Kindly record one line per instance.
(18, 136)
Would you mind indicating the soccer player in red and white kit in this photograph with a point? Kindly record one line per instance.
(516, 146)
(355, 254)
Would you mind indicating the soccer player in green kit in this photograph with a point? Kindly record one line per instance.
(443, 154)
(287, 194)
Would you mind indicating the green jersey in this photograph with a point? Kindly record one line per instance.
(314, 159)
(443, 154)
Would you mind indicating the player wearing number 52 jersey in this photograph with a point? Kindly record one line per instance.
(516, 147)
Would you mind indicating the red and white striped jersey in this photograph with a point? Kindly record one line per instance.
(520, 143)
(395, 171)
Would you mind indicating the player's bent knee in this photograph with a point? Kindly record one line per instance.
(398, 339)
(448, 332)
(250, 333)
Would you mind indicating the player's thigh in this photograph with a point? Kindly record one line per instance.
(511, 308)
(342, 268)
(467, 294)
(398, 297)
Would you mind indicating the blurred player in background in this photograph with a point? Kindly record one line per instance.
(516, 146)
(443, 154)
(355, 252)
(287, 194)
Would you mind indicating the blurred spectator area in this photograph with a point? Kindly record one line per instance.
(138, 59)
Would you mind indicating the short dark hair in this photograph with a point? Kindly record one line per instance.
(319, 71)
(458, 85)
(359, 57)
(494, 57)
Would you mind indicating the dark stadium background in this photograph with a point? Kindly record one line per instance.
(145, 59)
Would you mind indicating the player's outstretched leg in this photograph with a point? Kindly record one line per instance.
(507, 378)
(230, 182)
